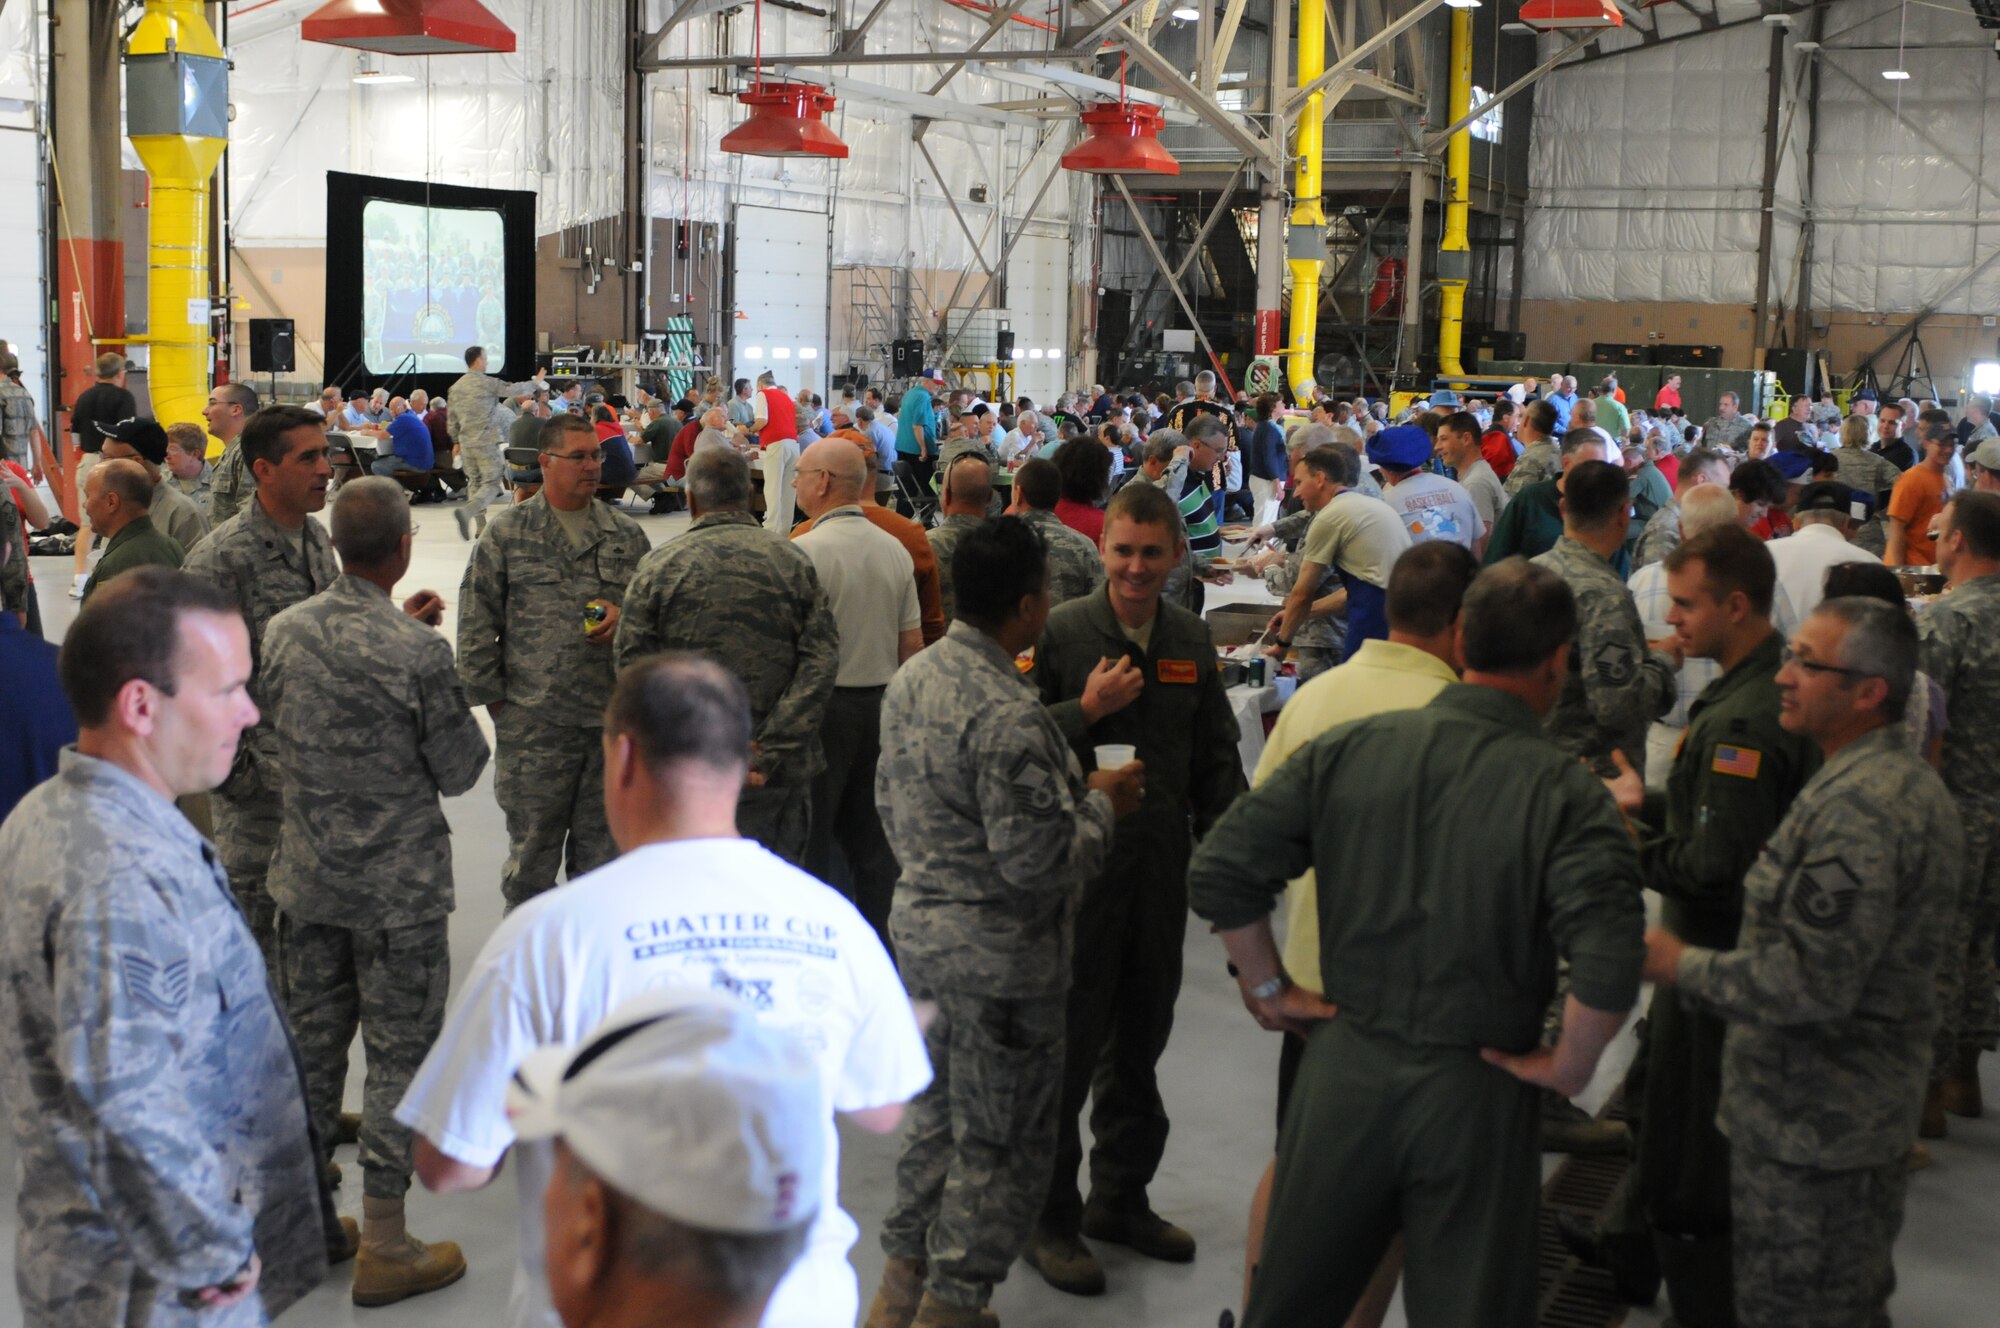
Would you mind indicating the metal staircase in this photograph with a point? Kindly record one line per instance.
(877, 301)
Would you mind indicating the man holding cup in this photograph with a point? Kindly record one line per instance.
(1120, 667)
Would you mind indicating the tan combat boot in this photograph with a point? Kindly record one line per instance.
(1959, 1093)
(901, 1291)
(394, 1265)
(934, 1313)
(1931, 1125)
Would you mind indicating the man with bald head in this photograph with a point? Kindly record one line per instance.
(174, 513)
(871, 587)
(362, 874)
(966, 495)
(118, 498)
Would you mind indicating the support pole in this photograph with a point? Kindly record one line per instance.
(1760, 318)
(1271, 200)
(1160, 261)
(1305, 246)
(1413, 276)
(1455, 248)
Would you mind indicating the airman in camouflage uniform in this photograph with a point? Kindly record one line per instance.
(1873, 474)
(1317, 643)
(1075, 567)
(1960, 636)
(474, 427)
(523, 649)
(1617, 684)
(1539, 460)
(362, 876)
(230, 486)
(996, 829)
(1831, 1005)
(13, 562)
(944, 538)
(155, 1099)
(264, 568)
(751, 600)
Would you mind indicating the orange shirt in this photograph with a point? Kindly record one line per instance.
(1917, 498)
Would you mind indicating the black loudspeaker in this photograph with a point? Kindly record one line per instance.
(907, 357)
(1794, 369)
(1003, 348)
(271, 345)
(1607, 352)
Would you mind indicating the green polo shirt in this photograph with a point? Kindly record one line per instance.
(138, 544)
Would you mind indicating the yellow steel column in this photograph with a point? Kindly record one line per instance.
(1305, 246)
(1455, 249)
(177, 117)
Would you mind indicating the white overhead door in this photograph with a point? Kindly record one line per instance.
(780, 275)
(21, 249)
(1038, 297)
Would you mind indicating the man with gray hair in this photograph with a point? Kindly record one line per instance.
(1830, 994)
(362, 876)
(1726, 428)
(703, 1209)
(118, 497)
(1197, 400)
(750, 600)
(470, 405)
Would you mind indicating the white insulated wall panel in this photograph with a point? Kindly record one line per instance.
(779, 271)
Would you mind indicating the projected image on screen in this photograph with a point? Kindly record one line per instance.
(434, 281)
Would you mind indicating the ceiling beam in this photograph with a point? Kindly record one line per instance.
(1437, 141)
(1352, 60)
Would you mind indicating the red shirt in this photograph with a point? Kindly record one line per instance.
(682, 448)
(781, 417)
(1498, 449)
(1775, 524)
(1669, 397)
(1084, 519)
(609, 429)
(1670, 470)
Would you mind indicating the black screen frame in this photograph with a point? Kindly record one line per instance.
(347, 197)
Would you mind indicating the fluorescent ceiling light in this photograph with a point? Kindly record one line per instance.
(753, 352)
(781, 352)
(1034, 355)
(1187, 13)
(1055, 354)
(1517, 29)
(809, 352)
(1462, 4)
(1895, 75)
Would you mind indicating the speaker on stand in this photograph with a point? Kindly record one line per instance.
(272, 348)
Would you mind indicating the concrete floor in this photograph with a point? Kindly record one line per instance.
(1218, 1078)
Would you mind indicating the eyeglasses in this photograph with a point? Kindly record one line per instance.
(588, 458)
(1791, 656)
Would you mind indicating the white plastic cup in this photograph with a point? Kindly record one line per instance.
(1116, 755)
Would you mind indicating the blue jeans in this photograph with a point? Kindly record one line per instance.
(390, 465)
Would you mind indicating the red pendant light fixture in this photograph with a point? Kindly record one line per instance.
(1549, 15)
(786, 119)
(410, 27)
(1122, 137)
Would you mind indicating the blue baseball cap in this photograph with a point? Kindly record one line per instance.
(1404, 445)
(1792, 465)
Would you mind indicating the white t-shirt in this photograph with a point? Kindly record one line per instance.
(1434, 508)
(720, 915)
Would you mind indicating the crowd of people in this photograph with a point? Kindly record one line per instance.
(884, 788)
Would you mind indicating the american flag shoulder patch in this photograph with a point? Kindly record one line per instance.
(1742, 761)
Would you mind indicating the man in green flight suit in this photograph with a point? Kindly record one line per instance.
(1124, 665)
(1439, 950)
(1734, 778)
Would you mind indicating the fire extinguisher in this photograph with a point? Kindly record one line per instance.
(1386, 295)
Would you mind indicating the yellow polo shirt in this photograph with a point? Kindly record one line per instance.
(1383, 676)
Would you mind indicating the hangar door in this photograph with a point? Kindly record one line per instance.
(779, 275)
(1038, 297)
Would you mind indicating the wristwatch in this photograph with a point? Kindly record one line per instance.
(1270, 987)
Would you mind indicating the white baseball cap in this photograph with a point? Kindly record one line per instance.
(690, 1107)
